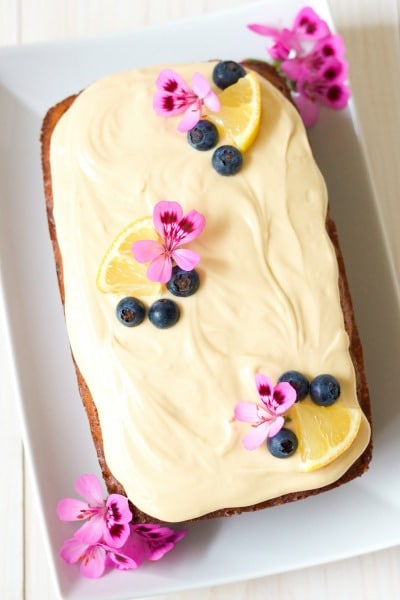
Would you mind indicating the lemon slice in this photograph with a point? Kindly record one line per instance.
(240, 112)
(324, 432)
(119, 272)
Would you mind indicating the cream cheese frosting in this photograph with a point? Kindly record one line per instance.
(268, 301)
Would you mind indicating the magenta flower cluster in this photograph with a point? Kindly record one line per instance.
(312, 60)
(107, 539)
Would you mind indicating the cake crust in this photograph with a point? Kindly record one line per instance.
(358, 467)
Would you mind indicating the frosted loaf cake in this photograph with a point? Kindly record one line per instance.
(273, 297)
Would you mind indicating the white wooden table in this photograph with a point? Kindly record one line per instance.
(371, 30)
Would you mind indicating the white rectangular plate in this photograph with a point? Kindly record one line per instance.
(360, 517)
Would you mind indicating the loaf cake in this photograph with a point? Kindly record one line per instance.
(272, 298)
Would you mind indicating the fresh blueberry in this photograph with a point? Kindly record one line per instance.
(298, 381)
(203, 136)
(183, 283)
(164, 313)
(227, 160)
(130, 311)
(324, 390)
(226, 73)
(283, 444)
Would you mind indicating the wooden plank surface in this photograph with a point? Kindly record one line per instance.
(371, 31)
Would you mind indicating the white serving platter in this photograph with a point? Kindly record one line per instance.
(360, 517)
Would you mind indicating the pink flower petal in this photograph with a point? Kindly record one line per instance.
(92, 557)
(171, 82)
(275, 426)
(71, 509)
(257, 436)
(293, 68)
(186, 259)
(116, 534)
(117, 519)
(331, 45)
(121, 561)
(246, 412)
(147, 250)
(91, 531)
(191, 117)
(159, 551)
(333, 70)
(160, 269)
(167, 105)
(212, 101)
(165, 214)
(308, 109)
(118, 506)
(89, 487)
(336, 96)
(283, 397)
(190, 226)
(264, 386)
(135, 547)
(201, 86)
(94, 562)
(72, 550)
(159, 539)
(284, 40)
(309, 25)
(272, 32)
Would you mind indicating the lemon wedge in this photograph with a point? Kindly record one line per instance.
(240, 111)
(324, 433)
(119, 272)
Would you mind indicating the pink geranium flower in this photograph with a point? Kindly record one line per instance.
(94, 558)
(96, 546)
(327, 88)
(158, 539)
(312, 61)
(145, 542)
(285, 40)
(175, 229)
(306, 26)
(108, 520)
(174, 96)
(327, 53)
(267, 420)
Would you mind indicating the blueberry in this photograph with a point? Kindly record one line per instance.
(226, 73)
(130, 311)
(227, 160)
(164, 313)
(203, 136)
(283, 444)
(183, 283)
(298, 381)
(324, 390)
